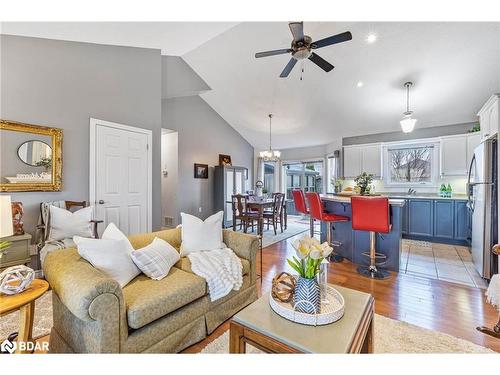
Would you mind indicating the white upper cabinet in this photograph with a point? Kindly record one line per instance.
(370, 159)
(454, 155)
(352, 161)
(488, 117)
(362, 158)
(473, 140)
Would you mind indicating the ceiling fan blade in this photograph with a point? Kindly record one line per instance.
(322, 63)
(297, 29)
(339, 38)
(288, 68)
(272, 53)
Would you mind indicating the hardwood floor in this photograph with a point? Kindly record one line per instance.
(433, 304)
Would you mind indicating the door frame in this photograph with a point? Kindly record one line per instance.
(94, 123)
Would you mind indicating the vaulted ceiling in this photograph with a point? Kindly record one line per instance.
(455, 67)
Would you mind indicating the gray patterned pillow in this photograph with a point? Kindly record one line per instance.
(156, 259)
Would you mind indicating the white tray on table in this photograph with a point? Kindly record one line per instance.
(331, 310)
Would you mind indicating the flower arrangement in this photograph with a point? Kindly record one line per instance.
(310, 252)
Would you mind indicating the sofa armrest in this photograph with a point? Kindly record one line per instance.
(78, 284)
(245, 246)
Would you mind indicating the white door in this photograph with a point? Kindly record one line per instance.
(121, 169)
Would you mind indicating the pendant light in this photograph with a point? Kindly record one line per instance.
(408, 123)
(270, 155)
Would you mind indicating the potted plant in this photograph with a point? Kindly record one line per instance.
(310, 253)
(363, 181)
(337, 184)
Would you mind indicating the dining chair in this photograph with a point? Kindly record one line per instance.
(241, 213)
(275, 215)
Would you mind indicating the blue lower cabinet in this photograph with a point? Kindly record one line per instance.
(420, 217)
(444, 219)
(437, 220)
(462, 221)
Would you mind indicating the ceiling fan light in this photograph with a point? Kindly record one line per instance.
(408, 124)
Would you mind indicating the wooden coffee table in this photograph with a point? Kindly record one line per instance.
(259, 326)
(25, 303)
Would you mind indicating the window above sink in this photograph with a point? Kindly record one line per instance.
(411, 164)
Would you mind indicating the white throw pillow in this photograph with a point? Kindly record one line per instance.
(156, 259)
(110, 256)
(199, 235)
(66, 224)
(113, 233)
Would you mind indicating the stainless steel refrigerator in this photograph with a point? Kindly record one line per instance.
(482, 194)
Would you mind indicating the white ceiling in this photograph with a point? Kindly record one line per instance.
(173, 38)
(455, 68)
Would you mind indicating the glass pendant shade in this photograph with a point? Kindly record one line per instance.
(408, 123)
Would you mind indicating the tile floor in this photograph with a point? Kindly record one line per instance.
(440, 261)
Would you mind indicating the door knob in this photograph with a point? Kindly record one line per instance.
(101, 201)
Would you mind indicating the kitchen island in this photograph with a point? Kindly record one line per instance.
(353, 243)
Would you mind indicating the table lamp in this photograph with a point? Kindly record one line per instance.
(6, 228)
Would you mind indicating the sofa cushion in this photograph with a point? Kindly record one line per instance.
(147, 300)
(185, 264)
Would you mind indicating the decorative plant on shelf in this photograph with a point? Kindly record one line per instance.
(310, 253)
(337, 184)
(363, 181)
(44, 162)
(475, 128)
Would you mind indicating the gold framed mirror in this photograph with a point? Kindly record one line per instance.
(31, 157)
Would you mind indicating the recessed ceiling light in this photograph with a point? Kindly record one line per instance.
(360, 84)
(371, 38)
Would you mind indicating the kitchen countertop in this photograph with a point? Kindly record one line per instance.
(423, 196)
(343, 199)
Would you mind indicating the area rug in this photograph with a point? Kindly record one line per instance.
(294, 227)
(390, 336)
(42, 322)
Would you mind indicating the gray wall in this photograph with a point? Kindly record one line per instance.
(170, 181)
(62, 84)
(436, 131)
(202, 135)
(181, 79)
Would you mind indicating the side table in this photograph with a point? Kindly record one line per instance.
(25, 303)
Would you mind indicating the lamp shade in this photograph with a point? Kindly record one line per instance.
(408, 124)
(6, 228)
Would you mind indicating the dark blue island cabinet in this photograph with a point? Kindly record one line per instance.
(352, 243)
(437, 220)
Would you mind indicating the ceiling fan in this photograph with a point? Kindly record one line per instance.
(302, 46)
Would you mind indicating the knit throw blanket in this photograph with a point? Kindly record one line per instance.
(493, 292)
(221, 269)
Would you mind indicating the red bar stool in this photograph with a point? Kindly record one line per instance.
(299, 200)
(371, 214)
(318, 213)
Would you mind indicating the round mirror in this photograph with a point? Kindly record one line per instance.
(36, 153)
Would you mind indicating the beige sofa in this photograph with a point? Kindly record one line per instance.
(92, 314)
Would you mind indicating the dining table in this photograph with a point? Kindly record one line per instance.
(259, 206)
